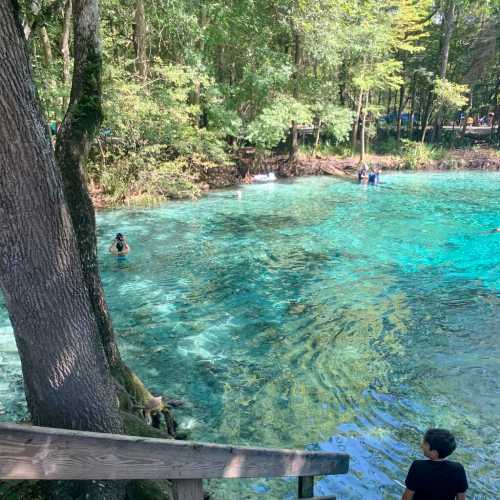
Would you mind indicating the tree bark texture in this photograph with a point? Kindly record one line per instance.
(65, 372)
(66, 376)
(74, 140)
(140, 39)
(75, 137)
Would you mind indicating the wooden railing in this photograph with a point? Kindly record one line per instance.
(28, 452)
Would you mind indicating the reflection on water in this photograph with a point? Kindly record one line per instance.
(317, 314)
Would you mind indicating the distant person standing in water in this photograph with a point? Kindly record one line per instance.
(436, 478)
(119, 246)
(372, 177)
(362, 173)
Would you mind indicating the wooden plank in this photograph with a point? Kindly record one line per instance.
(43, 453)
(188, 489)
(306, 486)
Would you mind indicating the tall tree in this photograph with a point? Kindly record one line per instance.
(66, 375)
(78, 130)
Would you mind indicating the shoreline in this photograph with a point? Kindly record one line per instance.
(307, 165)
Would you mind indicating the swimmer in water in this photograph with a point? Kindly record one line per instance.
(119, 246)
(497, 230)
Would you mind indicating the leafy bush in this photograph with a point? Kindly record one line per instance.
(338, 121)
(389, 146)
(415, 154)
(149, 174)
(272, 125)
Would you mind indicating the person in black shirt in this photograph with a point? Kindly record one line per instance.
(436, 478)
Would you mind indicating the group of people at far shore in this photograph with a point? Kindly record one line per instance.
(369, 175)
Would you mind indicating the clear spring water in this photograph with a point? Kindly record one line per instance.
(319, 314)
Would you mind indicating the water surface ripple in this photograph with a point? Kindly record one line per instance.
(318, 314)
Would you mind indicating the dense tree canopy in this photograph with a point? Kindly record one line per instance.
(187, 82)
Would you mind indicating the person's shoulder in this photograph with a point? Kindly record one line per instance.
(418, 465)
(455, 465)
(419, 462)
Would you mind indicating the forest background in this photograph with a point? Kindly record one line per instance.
(189, 84)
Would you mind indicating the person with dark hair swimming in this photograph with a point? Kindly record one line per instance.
(119, 246)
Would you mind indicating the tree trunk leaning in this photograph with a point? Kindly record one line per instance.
(74, 139)
(66, 376)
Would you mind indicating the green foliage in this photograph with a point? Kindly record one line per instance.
(221, 75)
(389, 146)
(337, 121)
(273, 123)
(148, 174)
(450, 96)
(415, 154)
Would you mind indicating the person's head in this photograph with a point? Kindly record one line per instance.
(119, 237)
(438, 443)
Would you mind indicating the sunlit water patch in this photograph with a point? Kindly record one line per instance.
(317, 314)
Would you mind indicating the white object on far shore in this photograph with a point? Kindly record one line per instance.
(270, 177)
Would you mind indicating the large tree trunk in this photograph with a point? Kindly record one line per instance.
(66, 376)
(140, 39)
(81, 122)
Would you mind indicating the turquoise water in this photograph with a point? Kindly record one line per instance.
(320, 314)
